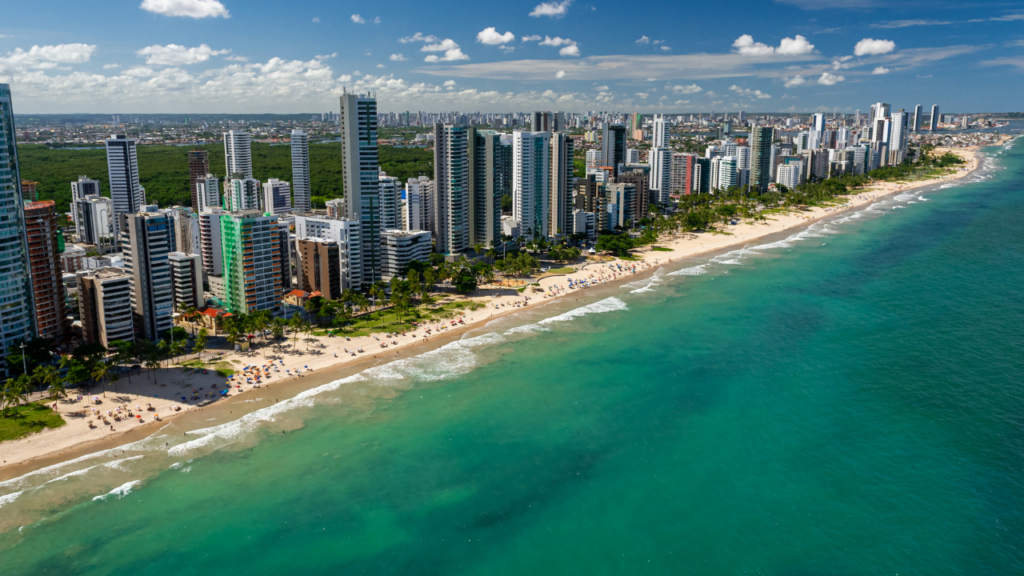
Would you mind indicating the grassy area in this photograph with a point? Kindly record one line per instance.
(28, 419)
(630, 258)
(661, 249)
(563, 270)
(224, 369)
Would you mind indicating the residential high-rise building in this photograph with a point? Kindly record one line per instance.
(613, 146)
(252, 261)
(419, 203)
(451, 189)
(187, 236)
(490, 178)
(17, 322)
(400, 248)
(198, 169)
(46, 270)
(105, 306)
(531, 181)
(277, 197)
(211, 244)
(899, 138)
(620, 206)
(208, 192)
(661, 173)
(301, 188)
(659, 135)
(640, 180)
(682, 173)
(915, 126)
(29, 190)
(237, 154)
(336, 208)
(186, 280)
(319, 267)
(243, 194)
(933, 122)
(390, 202)
(343, 232)
(788, 175)
(84, 187)
(146, 240)
(727, 175)
(122, 166)
(359, 173)
(560, 205)
(761, 139)
(94, 222)
(879, 111)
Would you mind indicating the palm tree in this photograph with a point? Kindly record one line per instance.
(99, 373)
(58, 391)
(296, 325)
(153, 361)
(45, 376)
(200, 344)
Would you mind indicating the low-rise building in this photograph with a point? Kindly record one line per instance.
(105, 306)
(186, 280)
(399, 248)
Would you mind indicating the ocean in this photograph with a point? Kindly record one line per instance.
(845, 399)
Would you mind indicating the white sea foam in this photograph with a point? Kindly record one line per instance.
(648, 287)
(53, 469)
(117, 464)
(733, 262)
(71, 474)
(186, 470)
(8, 498)
(121, 491)
(175, 466)
(691, 271)
(607, 305)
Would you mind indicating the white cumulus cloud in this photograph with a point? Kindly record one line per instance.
(798, 46)
(573, 50)
(828, 79)
(451, 50)
(187, 8)
(644, 40)
(872, 47)
(490, 36)
(417, 37)
(797, 80)
(174, 55)
(552, 9)
(397, 58)
(691, 89)
(666, 48)
(530, 38)
(560, 74)
(880, 70)
(748, 92)
(46, 57)
(358, 19)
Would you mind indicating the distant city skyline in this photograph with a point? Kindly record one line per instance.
(213, 56)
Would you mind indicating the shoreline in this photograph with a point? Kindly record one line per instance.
(60, 445)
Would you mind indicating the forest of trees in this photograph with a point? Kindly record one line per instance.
(164, 169)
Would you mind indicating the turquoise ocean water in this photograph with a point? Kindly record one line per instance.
(847, 399)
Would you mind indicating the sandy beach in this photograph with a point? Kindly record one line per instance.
(288, 368)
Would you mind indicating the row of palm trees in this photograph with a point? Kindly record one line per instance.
(17, 390)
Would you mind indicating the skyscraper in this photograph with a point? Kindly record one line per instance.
(301, 189)
(359, 173)
(816, 135)
(146, 240)
(916, 125)
(899, 139)
(17, 320)
(661, 173)
(208, 192)
(46, 270)
(419, 203)
(243, 194)
(390, 202)
(490, 175)
(761, 139)
(682, 172)
(531, 181)
(659, 136)
(613, 146)
(198, 168)
(560, 220)
(344, 233)
(252, 261)
(237, 154)
(933, 122)
(451, 189)
(123, 168)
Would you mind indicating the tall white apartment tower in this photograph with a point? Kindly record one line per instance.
(933, 122)
(916, 125)
(451, 189)
(560, 218)
(661, 173)
(208, 192)
(419, 200)
(817, 130)
(84, 187)
(301, 191)
(531, 182)
(18, 319)
(146, 240)
(123, 168)
(238, 153)
(390, 202)
(659, 136)
(359, 174)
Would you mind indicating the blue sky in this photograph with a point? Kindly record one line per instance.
(194, 56)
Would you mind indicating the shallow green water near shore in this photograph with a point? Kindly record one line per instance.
(849, 401)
